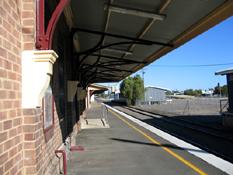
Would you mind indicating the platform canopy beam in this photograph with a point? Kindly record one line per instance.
(119, 58)
(122, 37)
(118, 51)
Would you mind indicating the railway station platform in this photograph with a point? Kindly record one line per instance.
(53, 53)
(127, 148)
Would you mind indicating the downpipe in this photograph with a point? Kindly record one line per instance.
(67, 149)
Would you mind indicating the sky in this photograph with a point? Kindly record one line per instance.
(214, 46)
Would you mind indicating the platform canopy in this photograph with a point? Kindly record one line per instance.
(97, 88)
(225, 71)
(115, 38)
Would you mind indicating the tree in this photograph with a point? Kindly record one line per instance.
(138, 89)
(223, 89)
(132, 89)
(188, 92)
(169, 93)
(217, 89)
(126, 88)
(196, 92)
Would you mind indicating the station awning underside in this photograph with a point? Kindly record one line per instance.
(97, 89)
(114, 39)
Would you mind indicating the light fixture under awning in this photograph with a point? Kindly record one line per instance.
(135, 12)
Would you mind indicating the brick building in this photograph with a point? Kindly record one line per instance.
(43, 85)
(26, 146)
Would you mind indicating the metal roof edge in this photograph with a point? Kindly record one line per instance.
(158, 87)
(99, 86)
(216, 16)
(224, 71)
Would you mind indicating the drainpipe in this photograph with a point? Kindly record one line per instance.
(64, 157)
(64, 160)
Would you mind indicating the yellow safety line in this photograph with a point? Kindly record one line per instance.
(181, 159)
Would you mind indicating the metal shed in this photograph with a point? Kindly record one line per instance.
(155, 94)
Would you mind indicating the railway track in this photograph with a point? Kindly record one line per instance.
(186, 121)
(216, 132)
(210, 139)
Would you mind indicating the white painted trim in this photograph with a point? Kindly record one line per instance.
(208, 157)
(37, 68)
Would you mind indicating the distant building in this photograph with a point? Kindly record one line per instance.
(207, 93)
(229, 75)
(228, 116)
(178, 93)
(92, 90)
(155, 94)
(117, 94)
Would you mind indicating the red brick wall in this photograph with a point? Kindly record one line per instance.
(28, 16)
(23, 147)
(39, 150)
(11, 133)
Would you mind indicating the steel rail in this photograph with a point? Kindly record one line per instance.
(179, 119)
(177, 122)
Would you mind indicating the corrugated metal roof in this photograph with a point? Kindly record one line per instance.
(183, 21)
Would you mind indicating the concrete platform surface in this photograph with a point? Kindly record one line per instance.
(123, 150)
(94, 123)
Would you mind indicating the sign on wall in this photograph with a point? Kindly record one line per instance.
(48, 109)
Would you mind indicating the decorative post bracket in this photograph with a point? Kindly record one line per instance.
(44, 37)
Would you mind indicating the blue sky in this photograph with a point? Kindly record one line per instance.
(215, 46)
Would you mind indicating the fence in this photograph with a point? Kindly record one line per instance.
(223, 105)
(201, 106)
(105, 113)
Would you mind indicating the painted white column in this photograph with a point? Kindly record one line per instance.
(37, 68)
(92, 98)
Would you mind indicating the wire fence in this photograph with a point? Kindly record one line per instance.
(195, 106)
(224, 104)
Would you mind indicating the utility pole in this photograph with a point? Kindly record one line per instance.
(220, 91)
(143, 73)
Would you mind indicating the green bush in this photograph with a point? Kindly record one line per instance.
(132, 89)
